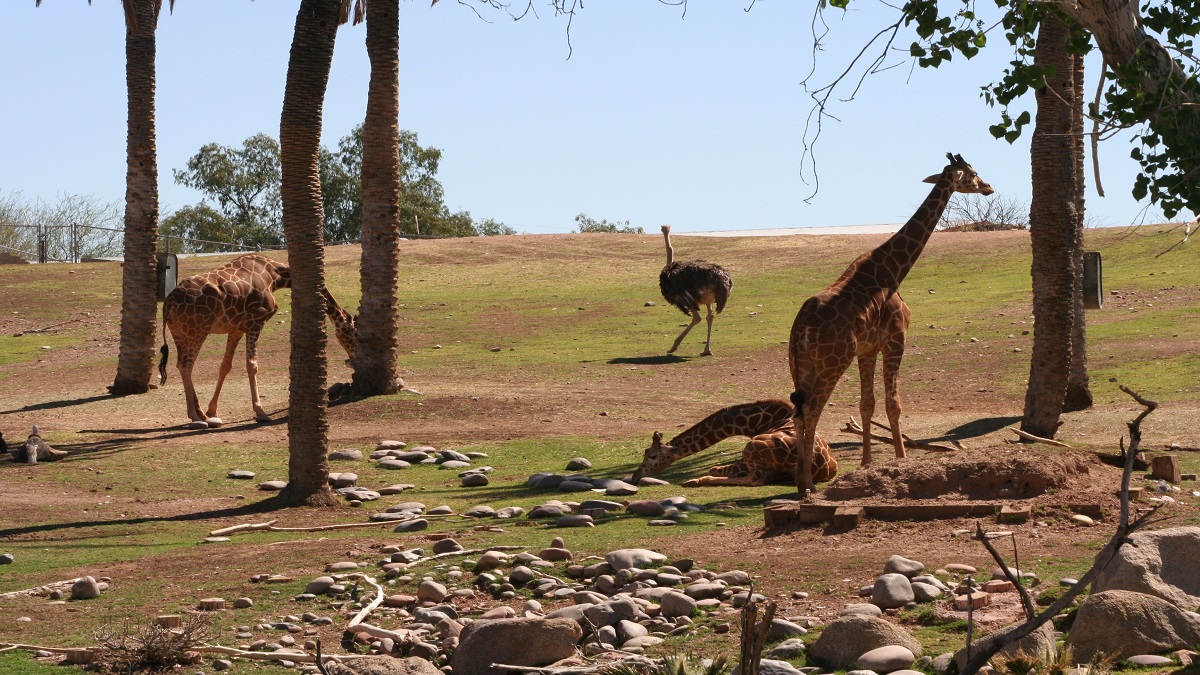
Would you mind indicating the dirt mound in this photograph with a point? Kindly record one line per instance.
(998, 472)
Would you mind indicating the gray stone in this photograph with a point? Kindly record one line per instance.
(788, 649)
(735, 578)
(627, 558)
(941, 663)
(650, 481)
(222, 664)
(628, 630)
(395, 489)
(1120, 624)
(646, 507)
(932, 581)
(454, 456)
(892, 590)
(1038, 643)
(480, 511)
(782, 628)
(579, 464)
(544, 481)
(601, 504)
(574, 486)
(389, 665)
(241, 475)
(620, 489)
(474, 480)
(272, 485)
(453, 464)
(642, 642)
(772, 667)
(319, 585)
(413, 525)
(861, 609)
(676, 604)
(6, 558)
(574, 520)
(86, 588)
(431, 591)
(545, 511)
(412, 456)
(886, 659)
(848, 637)
(659, 522)
(346, 454)
(1148, 660)
(443, 510)
(1162, 563)
(243, 603)
(393, 464)
(923, 592)
(416, 507)
(901, 565)
(704, 590)
(510, 512)
(446, 545)
(520, 575)
(519, 642)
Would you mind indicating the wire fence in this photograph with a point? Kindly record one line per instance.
(78, 242)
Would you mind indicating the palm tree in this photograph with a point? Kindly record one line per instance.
(375, 359)
(135, 360)
(1079, 392)
(300, 141)
(1055, 229)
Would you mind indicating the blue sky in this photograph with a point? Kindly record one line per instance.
(657, 117)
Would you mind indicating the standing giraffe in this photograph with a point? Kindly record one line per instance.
(770, 455)
(861, 315)
(687, 285)
(237, 299)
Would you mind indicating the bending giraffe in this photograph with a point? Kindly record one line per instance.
(237, 299)
(770, 456)
(861, 315)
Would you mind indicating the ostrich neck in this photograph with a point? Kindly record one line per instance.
(670, 251)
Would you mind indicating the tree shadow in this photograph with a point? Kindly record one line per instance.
(263, 506)
(66, 403)
(977, 428)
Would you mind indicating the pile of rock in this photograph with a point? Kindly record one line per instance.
(587, 513)
(577, 482)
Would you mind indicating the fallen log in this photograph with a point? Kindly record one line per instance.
(1038, 439)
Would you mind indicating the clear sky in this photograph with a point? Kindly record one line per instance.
(658, 117)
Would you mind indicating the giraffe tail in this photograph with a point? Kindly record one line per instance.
(164, 351)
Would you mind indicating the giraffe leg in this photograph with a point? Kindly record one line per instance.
(695, 320)
(226, 365)
(892, 355)
(751, 480)
(808, 412)
(708, 340)
(188, 350)
(866, 402)
(252, 371)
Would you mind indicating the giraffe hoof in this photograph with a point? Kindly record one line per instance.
(214, 422)
(197, 424)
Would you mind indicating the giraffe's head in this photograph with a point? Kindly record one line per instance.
(962, 177)
(657, 458)
(344, 328)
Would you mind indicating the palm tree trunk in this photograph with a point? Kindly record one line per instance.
(1053, 220)
(375, 359)
(135, 360)
(300, 140)
(1079, 393)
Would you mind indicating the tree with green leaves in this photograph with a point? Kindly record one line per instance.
(585, 223)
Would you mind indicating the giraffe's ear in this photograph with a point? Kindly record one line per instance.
(933, 179)
(656, 440)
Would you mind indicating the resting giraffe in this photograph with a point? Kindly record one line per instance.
(860, 316)
(769, 456)
(237, 299)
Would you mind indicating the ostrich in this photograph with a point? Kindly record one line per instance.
(687, 285)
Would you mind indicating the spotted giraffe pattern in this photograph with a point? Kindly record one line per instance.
(237, 299)
(770, 455)
(861, 316)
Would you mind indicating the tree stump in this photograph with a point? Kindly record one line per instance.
(974, 600)
(169, 620)
(212, 604)
(1166, 467)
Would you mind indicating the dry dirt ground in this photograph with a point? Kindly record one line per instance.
(832, 565)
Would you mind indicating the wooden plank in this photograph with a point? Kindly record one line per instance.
(848, 517)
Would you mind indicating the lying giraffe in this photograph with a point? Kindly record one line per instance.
(770, 456)
(237, 299)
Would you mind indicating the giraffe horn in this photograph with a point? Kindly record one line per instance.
(950, 156)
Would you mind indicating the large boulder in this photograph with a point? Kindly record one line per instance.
(849, 637)
(383, 665)
(1120, 624)
(1162, 563)
(1038, 643)
(516, 642)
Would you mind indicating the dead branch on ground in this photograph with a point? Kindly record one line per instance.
(1026, 601)
(269, 526)
(853, 427)
(1038, 439)
(40, 590)
(754, 632)
(152, 647)
(1124, 528)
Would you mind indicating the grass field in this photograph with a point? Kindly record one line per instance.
(580, 371)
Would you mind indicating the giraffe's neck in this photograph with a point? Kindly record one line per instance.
(749, 419)
(896, 256)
